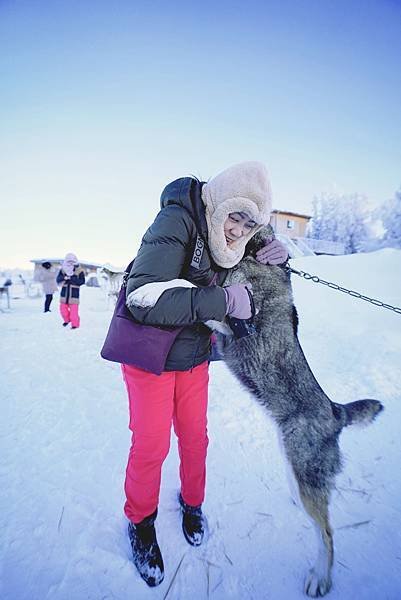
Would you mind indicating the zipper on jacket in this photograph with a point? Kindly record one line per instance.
(197, 347)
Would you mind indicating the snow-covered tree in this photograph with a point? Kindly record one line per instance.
(340, 219)
(390, 214)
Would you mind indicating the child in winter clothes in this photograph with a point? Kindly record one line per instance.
(71, 276)
(200, 232)
(47, 277)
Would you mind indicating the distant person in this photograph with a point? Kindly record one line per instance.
(71, 276)
(47, 277)
(5, 281)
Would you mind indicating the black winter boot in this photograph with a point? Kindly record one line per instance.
(193, 523)
(145, 550)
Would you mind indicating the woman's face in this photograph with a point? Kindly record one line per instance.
(236, 226)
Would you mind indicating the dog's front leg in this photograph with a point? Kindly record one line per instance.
(220, 327)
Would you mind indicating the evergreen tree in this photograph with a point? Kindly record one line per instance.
(390, 214)
(340, 219)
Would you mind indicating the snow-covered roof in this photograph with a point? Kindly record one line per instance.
(84, 263)
(290, 213)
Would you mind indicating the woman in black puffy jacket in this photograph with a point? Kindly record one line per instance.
(200, 232)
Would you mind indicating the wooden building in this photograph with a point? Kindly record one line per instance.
(291, 224)
(290, 228)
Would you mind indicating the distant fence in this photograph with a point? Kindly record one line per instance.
(323, 246)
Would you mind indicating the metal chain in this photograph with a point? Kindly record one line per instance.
(334, 286)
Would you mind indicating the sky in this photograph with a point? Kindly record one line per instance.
(102, 104)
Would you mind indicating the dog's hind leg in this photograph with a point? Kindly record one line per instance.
(315, 502)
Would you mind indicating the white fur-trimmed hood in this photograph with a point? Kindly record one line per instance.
(244, 187)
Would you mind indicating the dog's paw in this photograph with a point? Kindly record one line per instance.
(219, 326)
(316, 585)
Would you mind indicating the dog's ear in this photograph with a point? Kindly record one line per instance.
(259, 240)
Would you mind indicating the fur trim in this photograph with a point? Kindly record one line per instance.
(149, 294)
(243, 187)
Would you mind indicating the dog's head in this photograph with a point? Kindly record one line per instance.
(259, 240)
(269, 283)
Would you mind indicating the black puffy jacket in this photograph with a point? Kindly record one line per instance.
(166, 253)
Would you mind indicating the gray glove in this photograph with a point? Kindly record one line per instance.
(273, 253)
(238, 301)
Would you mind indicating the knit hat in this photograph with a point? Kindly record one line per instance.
(244, 187)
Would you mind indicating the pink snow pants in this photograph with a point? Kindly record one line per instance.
(69, 313)
(156, 401)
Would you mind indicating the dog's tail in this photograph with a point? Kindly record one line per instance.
(360, 412)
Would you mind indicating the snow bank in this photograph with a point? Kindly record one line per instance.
(64, 444)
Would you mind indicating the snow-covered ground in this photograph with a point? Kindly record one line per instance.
(64, 444)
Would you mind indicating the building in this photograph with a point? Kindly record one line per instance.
(290, 228)
(288, 223)
(88, 267)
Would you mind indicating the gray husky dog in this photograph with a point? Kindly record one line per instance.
(270, 363)
(272, 366)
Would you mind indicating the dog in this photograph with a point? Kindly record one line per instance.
(271, 365)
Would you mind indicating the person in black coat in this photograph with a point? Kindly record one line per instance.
(200, 232)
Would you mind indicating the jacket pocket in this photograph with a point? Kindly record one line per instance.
(74, 292)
